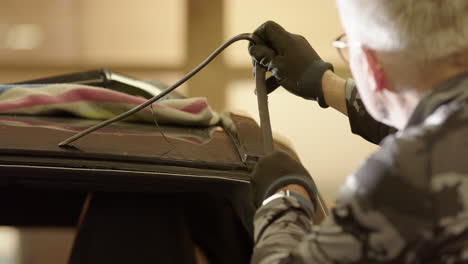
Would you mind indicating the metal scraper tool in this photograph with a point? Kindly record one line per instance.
(262, 99)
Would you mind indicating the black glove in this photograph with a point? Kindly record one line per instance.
(277, 170)
(291, 60)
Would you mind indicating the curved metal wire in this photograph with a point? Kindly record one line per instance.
(245, 36)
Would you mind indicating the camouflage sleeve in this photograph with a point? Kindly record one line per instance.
(375, 220)
(285, 235)
(360, 120)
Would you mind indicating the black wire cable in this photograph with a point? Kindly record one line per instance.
(245, 36)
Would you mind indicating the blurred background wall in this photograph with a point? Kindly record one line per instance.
(163, 39)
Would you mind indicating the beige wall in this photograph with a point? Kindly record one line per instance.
(317, 20)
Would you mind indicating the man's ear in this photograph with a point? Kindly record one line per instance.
(376, 70)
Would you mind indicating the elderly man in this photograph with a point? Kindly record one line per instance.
(408, 202)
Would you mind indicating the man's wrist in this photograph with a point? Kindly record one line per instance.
(310, 84)
(296, 188)
(333, 89)
(303, 199)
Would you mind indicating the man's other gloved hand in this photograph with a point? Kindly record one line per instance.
(291, 60)
(277, 170)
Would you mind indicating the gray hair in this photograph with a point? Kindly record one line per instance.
(424, 29)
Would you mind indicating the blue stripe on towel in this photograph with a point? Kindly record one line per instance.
(6, 87)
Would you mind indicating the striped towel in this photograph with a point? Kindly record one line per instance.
(99, 103)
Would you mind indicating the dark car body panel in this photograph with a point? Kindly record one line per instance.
(124, 157)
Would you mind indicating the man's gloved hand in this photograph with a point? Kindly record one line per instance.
(291, 60)
(277, 170)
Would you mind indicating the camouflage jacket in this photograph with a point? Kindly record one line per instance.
(407, 203)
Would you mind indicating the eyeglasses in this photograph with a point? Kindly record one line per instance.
(342, 45)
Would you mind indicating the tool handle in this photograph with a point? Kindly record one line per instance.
(262, 99)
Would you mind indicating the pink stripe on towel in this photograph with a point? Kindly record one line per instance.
(93, 102)
(196, 106)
